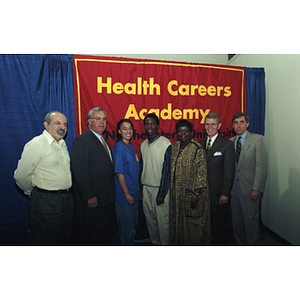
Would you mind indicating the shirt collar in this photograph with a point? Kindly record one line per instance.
(243, 136)
(154, 139)
(212, 139)
(96, 134)
(50, 138)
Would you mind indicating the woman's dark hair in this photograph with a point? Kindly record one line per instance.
(182, 123)
(118, 135)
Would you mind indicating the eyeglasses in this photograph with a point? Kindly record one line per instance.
(100, 119)
(211, 124)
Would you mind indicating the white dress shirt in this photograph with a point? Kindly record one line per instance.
(44, 163)
(212, 139)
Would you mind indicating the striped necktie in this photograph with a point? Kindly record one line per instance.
(104, 145)
(208, 145)
(238, 149)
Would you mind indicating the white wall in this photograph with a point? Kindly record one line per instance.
(218, 59)
(281, 201)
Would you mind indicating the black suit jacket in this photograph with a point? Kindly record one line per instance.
(220, 167)
(93, 170)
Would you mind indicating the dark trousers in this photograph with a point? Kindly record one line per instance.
(219, 218)
(95, 226)
(127, 219)
(50, 218)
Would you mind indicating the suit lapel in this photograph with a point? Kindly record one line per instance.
(99, 145)
(245, 147)
(216, 146)
(203, 143)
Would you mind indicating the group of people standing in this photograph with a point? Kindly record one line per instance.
(187, 188)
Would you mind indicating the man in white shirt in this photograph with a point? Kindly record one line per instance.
(44, 174)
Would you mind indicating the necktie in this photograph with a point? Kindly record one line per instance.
(238, 149)
(208, 145)
(104, 145)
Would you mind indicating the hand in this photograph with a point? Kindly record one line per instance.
(194, 202)
(130, 199)
(223, 200)
(254, 195)
(159, 200)
(93, 202)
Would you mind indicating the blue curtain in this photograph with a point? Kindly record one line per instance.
(256, 99)
(30, 87)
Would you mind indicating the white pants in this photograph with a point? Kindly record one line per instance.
(157, 216)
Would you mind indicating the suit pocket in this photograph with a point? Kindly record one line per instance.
(198, 211)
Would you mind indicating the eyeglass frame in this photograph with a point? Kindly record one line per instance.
(100, 119)
(212, 124)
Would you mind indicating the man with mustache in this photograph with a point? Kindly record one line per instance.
(44, 174)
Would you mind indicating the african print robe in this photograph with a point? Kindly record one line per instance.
(189, 172)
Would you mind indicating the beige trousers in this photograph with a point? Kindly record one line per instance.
(157, 216)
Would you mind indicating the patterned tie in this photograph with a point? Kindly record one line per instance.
(208, 145)
(238, 149)
(104, 145)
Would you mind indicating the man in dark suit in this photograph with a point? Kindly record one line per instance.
(220, 171)
(249, 181)
(93, 172)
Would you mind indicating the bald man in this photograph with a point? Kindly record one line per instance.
(44, 174)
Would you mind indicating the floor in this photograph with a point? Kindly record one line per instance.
(267, 238)
(20, 235)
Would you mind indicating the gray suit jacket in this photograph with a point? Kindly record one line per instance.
(251, 171)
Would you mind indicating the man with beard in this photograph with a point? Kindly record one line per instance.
(44, 174)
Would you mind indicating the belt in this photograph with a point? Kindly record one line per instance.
(53, 192)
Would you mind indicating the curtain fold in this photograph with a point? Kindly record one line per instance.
(30, 87)
(61, 90)
(256, 99)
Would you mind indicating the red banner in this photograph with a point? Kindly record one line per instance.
(131, 88)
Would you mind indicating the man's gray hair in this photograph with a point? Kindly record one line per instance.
(92, 111)
(213, 115)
